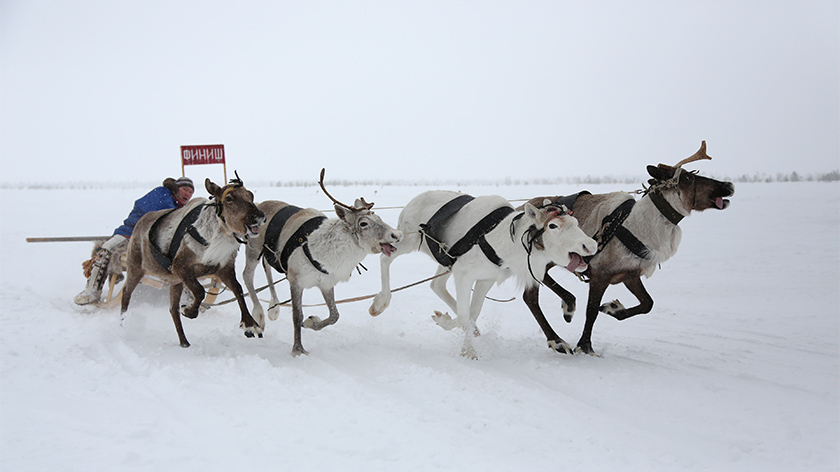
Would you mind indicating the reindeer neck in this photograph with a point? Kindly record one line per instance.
(660, 200)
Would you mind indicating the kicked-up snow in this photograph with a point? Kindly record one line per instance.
(736, 368)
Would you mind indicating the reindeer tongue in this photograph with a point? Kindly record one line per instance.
(387, 249)
(576, 261)
(719, 202)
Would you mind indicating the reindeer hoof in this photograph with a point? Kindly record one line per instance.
(443, 320)
(189, 313)
(274, 312)
(560, 346)
(298, 350)
(586, 348)
(311, 322)
(568, 311)
(614, 309)
(379, 305)
(251, 331)
(469, 353)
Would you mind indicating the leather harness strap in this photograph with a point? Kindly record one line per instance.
(299, 238)
(272, 233)
(612, 226)
(184, 227)
(432, 232)
(476, 236)
(664, 207)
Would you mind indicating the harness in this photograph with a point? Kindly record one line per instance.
(567, 201)
(298, 238)
(184, 227)
(432, 232)
(611, 226)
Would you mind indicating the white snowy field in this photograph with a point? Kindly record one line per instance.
(736, 368)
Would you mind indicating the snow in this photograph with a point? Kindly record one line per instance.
(736, 368)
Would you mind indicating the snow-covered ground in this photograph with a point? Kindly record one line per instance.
(736, 368)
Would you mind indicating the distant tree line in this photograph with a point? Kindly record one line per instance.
(832, 176)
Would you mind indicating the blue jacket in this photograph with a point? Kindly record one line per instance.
(159, 198)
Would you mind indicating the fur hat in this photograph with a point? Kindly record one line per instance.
(184, 182)
(173, 185)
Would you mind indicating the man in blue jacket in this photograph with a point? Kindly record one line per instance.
(172, 194)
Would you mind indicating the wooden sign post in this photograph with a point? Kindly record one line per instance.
(203, 154)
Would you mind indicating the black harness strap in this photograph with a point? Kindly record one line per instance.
(612, 226)
(184, 227)
(272, 233)
(476, 236)
(433, 229)
(299, 238)
(568, 201)
(664, 207)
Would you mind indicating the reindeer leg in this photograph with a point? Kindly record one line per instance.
(531, 296)
(247, 323)
(482, 287)
(313, 322)
(569, 302)
(438, 286)
(597, 287)
(383, 298)
(297, 317)
(194, 286)
(617, 310)
(175, 311)
(463, 289)
(248, 276)
(133, 277)
(274, 303)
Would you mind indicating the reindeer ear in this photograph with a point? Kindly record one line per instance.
(341, 212)
(212, 188)
(531, 211)
(661, 172)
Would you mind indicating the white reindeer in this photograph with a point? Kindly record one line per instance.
(314, 251)
(482, 241)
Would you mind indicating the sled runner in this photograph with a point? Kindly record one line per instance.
(116, 274)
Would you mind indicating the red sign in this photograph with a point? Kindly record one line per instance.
(203, 154)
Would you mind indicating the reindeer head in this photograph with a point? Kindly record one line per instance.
(371, 232)
(695, 192)
(235, 206)
(561, 238)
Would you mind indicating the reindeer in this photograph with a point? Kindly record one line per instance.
(647, 237)
(314, 251)
(482, 241)
(198, 240)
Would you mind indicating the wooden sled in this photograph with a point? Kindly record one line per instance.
(212, 286)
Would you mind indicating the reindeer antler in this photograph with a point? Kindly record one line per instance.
(365, 205)
(697, 156)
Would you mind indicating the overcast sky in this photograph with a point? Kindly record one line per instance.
(108, 90)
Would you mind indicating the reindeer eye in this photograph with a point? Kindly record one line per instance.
(553, 226)
(363, 224)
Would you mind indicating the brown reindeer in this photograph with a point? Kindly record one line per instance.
(633, 238)
(200, 239)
